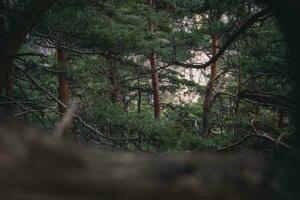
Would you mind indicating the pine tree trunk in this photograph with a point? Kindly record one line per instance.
(155, 86)
(9, 93)
(3, 75)
(63, 86)
(116, 91)
(155, 80)
(14, 34)
(280, 120)
(237, 102)
(139, 103)
(257, 110)
(209, 92)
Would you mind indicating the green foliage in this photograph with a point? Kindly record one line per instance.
(167, 135)
(108, 44)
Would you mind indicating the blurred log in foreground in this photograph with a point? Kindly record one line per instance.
(39, 167)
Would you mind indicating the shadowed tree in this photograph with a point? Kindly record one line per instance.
(63, 83)
(17, 25)
(153, 63)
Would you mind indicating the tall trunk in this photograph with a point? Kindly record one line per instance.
(3, 74)
(19, 24)
(209, 92)
(237, 102)
(155, 80)
(280, 120)
(155, 86)
(116, 91)
(9, 93)
(139, 103)
(257, 110)
(9, 86)
(63, 87)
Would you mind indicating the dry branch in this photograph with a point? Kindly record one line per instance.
(234, 144)
(267, 136)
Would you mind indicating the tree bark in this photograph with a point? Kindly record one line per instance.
(48, 168)
(9, 92)
(139, 102)
(155, 86)
(116, 91)
(280, 120)
(237, 101)
(63, 83)
(155, 80)
(257, 110)
(209, 91)
(19, 24)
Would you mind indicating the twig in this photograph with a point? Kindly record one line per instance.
(257, 134)
(217, 77)
(235, 143)
(280, 137)
(267, 136)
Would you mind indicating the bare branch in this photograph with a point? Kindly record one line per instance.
(234, 144)
(267, 136)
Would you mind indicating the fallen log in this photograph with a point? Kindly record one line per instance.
(36, 166)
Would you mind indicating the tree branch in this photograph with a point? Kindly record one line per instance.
(249, 22)
(78, 118)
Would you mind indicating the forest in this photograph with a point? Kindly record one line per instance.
(154, 78)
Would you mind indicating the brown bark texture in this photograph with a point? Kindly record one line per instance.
(155, 86)
(237, 102)
(155, 79)
(280, 120)
(257, 110)
(209, 92)
(9, 93)
(63, 83)
(116, 90)
(139, 102)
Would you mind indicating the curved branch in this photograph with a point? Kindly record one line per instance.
(235, 143)
(267, 136)
(263, 14)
